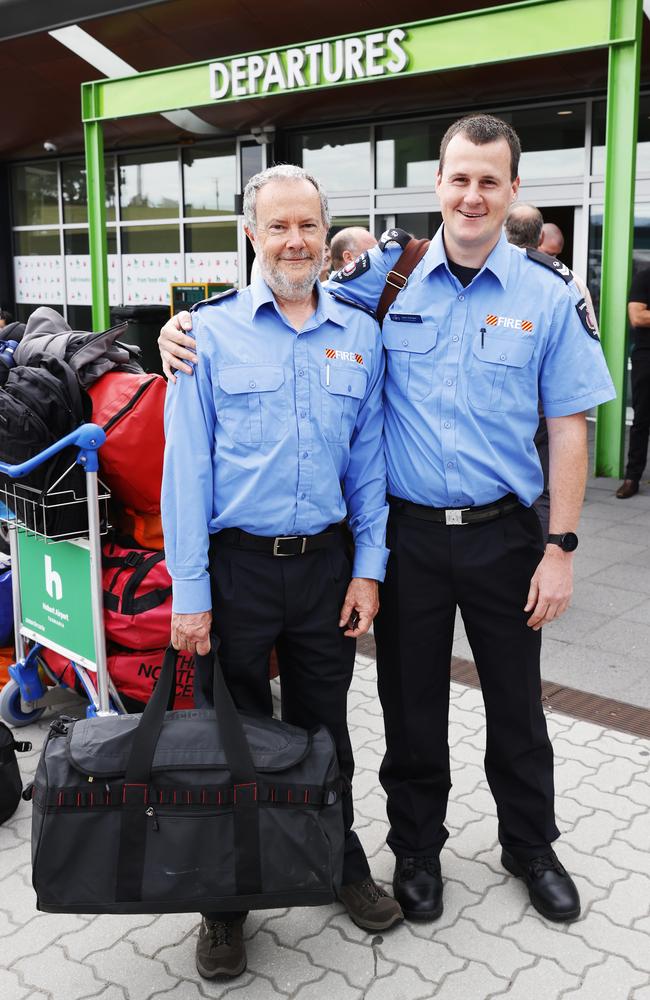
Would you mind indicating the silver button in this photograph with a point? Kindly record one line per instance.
(252, 385)
(302, 496)
(305, 454)
(461, 298)
(405, 343)
(301, 372)
(454, 339)
(449, 381)
(447, 423)
(502, 357)
(450, 465)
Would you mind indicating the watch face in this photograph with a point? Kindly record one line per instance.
(569, 541)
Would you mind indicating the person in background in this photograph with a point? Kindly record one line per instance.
(5, 318)
(350, 243)
(552, 240)
(638, 311)
(327, 264)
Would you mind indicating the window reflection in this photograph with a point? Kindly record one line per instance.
(339, 159)
(209, 176)
(35, 194)
(75, 241)
(552, 140)
(407, 154)
(643, 137)
(641, 247)
(75, 191)
(210, 237)
(149, 185)
(39, 242)
(421, 225)
(150, 239)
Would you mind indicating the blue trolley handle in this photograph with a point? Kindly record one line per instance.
(88, 438)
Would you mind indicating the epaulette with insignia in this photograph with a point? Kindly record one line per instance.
(213, 298)
(555, 265)
(399, 236)
(350, 302)
(353, 269)
(552, 263)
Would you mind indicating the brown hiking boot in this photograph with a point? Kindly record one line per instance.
(369, 906)
(220, 949)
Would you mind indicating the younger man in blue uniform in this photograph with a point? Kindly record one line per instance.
(477, 337)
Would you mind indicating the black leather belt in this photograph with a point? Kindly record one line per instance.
(456, 515)
(281, 545)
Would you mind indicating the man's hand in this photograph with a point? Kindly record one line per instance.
(192, 632)
(363, 597)
(550, 588)
(174, 345)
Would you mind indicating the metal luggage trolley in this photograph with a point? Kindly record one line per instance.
(57, 583)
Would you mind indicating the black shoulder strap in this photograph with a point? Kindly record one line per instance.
(552, 263)
(214, 298)
(349, 302)
(399, 236)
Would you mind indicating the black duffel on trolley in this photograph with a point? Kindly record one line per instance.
(183, 811)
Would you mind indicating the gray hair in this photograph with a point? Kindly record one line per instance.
(286, 172)
(523, 226)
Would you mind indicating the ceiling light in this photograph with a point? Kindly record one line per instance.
(565, 112)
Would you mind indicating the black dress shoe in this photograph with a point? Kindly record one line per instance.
(551, 889)
(417, 886)
(627, 489)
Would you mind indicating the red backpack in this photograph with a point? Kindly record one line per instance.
(130, 409)
(137, 597)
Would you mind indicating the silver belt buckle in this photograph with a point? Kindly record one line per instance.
(289, 538)
(455, 516)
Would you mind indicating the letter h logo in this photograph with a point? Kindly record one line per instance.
(53, 582)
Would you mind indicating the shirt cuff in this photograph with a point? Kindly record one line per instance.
(190, 597)
(579, 404)
(370, 562)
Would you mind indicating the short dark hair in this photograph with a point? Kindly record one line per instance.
(481, 129)
(6, 316)
(523, 226)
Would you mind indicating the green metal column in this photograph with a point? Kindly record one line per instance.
(618, 224)
(94, 139)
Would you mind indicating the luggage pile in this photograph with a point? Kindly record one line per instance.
(52, 379)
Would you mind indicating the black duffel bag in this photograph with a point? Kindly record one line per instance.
(170, 812)
(10, 784)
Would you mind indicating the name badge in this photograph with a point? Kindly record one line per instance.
(405, 318)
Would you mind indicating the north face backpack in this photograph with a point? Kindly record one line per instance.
(38, 407)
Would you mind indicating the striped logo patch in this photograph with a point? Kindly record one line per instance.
(509, 323)
(330, 353)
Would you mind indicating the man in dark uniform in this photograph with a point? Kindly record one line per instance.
(269, 446)
(638, 311)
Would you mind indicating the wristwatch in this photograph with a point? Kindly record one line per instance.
(568, 542)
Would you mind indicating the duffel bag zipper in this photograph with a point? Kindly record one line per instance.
(128, 406)
(151, 813)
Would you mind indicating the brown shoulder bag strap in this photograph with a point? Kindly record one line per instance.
(398, 278)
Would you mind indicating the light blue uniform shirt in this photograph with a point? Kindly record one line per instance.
(276, 433)
(466, 366)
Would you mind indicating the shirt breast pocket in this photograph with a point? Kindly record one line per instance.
(251, 403)
(500, 374)
(342, 392)
(410, 355)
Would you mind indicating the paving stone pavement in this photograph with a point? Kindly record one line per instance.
(489, 942)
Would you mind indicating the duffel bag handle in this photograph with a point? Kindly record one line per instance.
(138, 774)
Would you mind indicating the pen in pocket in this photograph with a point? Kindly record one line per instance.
(482, 336)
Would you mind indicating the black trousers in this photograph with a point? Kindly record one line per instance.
(294, 603)
(485, 570)
(640, 430)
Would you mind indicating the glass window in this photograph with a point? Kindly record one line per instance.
(80, 317)
(75, 241)
(421, 225)
(150, 239)
(37, 241)
(643, 137)
(149, 185)
(35, 194)
(251, 161)
(210, 176)
(641, 251)
(210, 237)
(552, 140)
(340, 159)
(75, 192)
(407, 155)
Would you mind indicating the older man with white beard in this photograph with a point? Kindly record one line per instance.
(274, 442)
